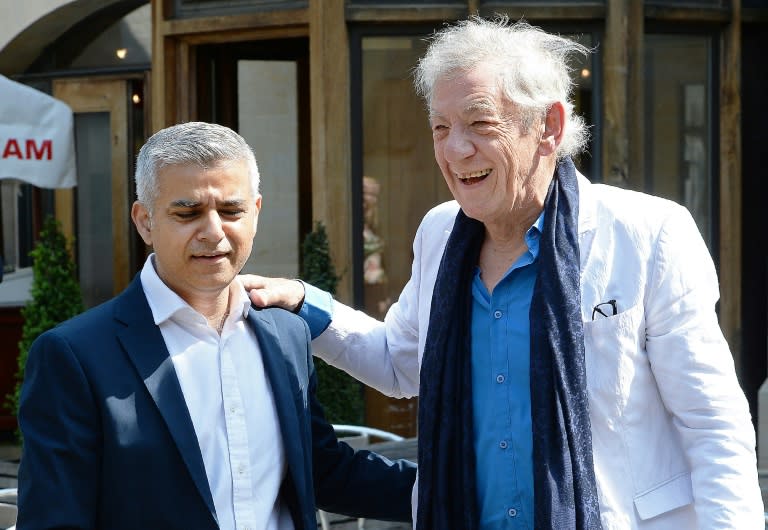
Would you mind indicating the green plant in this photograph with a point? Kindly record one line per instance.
(317, 267)
(340, 394)
(55, 294)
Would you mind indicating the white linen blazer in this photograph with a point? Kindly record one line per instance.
(673, 442)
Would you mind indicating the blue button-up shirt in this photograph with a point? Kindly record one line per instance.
(501, 393)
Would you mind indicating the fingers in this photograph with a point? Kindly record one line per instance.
(252, 281)
(273, 292)
(259, 297)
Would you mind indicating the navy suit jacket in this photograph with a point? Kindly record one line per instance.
(109, 442)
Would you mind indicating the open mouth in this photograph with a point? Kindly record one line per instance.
(473, 177)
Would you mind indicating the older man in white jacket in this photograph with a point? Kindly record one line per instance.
(665, 433)
(672, 437)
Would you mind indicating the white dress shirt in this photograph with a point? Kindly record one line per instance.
(241, 446)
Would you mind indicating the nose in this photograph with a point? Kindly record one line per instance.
(458, 145)
(211, 227)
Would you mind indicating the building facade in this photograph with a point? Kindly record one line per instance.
(322, 90)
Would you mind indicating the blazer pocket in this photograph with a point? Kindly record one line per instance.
(620, 323)
(614, 348)
(667, 496)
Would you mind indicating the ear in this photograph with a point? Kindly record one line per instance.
(141, 219)
(554, 127)
(257, 204)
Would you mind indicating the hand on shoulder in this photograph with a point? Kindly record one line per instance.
(273, 292)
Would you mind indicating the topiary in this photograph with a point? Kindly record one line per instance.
(340, 394)
(55, 294)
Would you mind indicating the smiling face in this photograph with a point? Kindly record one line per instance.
(201, 228)
(492, 165)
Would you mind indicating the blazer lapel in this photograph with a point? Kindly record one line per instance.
(284, 390)
(146, 349)
(587, 219)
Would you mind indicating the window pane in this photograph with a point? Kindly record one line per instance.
(401, 179)
(200, 8)
(404, 3)
(9, 190)
(94, 239)
(679, 123)
(268, 120)
(511, 3)
(688, 3)
(582, 75)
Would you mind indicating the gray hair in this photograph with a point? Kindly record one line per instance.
(532, 67)
(199, 143)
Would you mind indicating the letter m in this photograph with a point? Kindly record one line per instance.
(45, 150)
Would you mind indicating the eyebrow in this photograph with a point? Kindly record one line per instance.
(481, 105)
(188, 203)
(185, 203)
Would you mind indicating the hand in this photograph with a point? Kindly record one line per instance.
(274, 292)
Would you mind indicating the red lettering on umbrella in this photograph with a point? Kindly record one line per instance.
(43, 151)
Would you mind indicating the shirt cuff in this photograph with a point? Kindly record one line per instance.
(316, 310)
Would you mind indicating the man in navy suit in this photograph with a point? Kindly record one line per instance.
(177, 404)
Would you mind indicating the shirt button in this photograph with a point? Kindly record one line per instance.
(241, 468)
(512, 512)
(232, 409)
(500, 378)
(497, 314)
(503, 444)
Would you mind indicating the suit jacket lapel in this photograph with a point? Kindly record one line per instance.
(146, 349)
(276, 368)
(587, 219)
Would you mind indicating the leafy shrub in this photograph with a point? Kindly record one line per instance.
(55, 293)
(340, 394)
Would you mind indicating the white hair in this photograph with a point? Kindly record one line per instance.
(532, 67)
(199, 143)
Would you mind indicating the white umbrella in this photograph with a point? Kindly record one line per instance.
(37, 142)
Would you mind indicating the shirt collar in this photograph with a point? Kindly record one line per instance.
(538, 224)
(165, 303)
(533, 235)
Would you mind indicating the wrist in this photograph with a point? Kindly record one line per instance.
(297, 307)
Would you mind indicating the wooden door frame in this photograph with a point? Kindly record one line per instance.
(111, 96)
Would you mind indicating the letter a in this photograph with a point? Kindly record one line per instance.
(12, 149)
